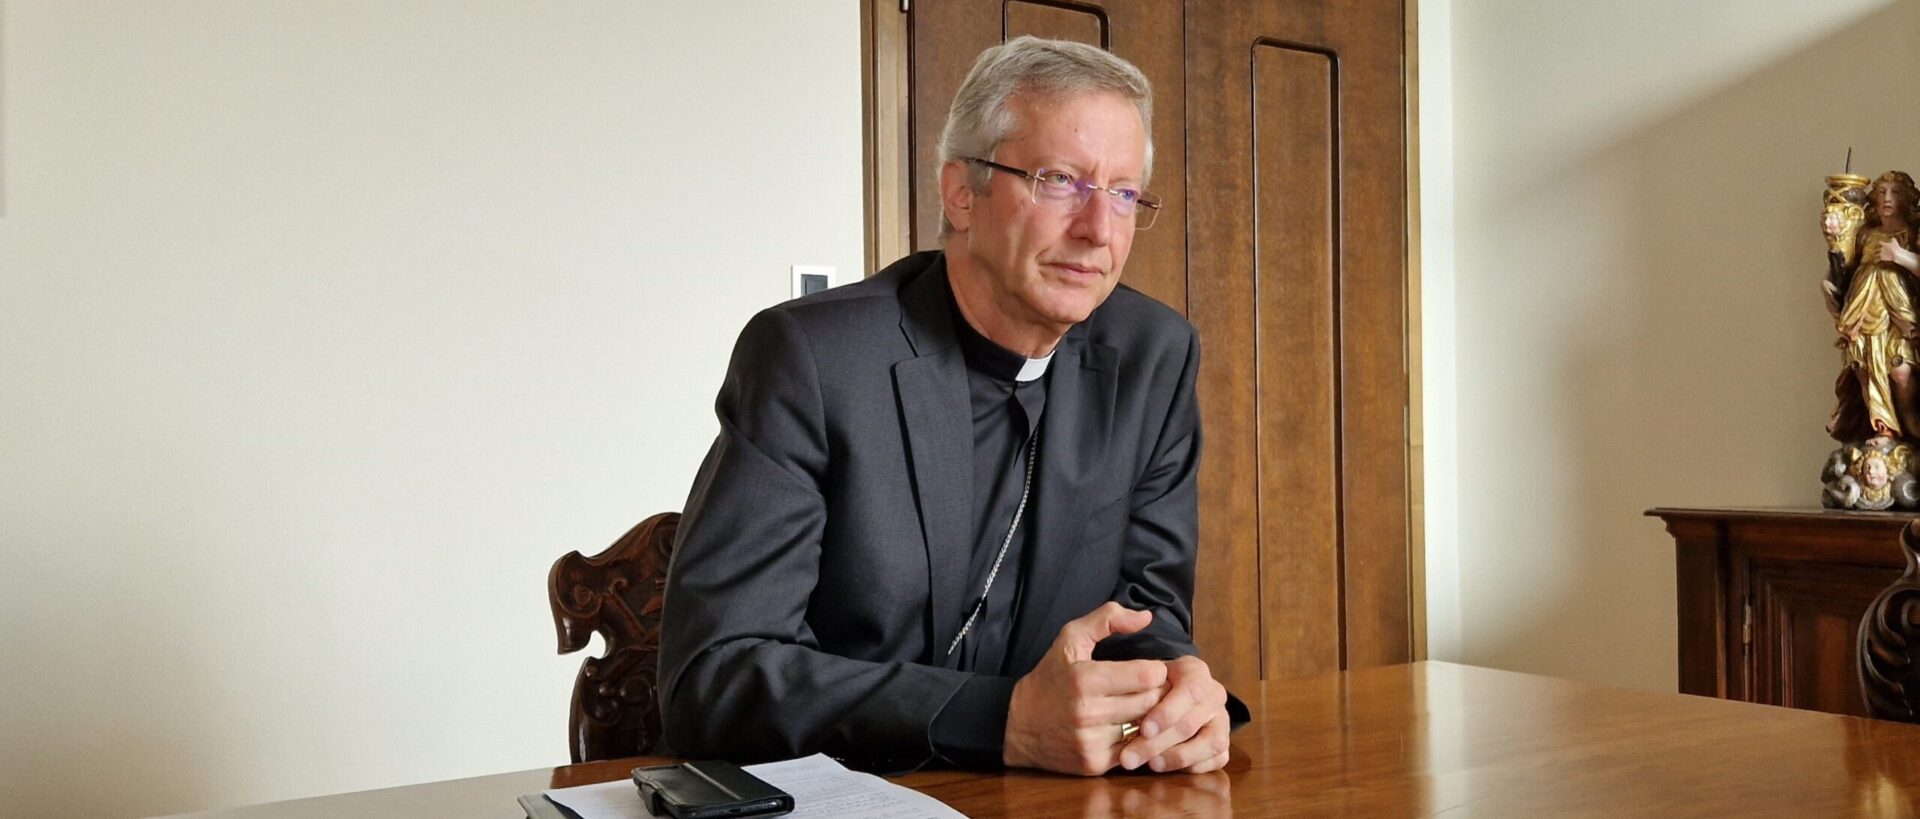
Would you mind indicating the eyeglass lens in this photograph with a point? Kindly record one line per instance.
(1063, 189)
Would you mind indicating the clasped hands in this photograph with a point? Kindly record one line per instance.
(1066, 714)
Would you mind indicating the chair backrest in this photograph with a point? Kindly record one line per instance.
(618, 592)
(1890, 641)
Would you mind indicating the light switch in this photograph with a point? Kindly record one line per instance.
(811, 278)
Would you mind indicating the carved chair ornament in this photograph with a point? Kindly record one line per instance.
(1890, 641)
(618, 593)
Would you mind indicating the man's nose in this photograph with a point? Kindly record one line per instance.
(1094, 223)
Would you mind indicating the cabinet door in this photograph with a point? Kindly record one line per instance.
(1804, 618)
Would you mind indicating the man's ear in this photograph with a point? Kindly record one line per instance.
(956, 196)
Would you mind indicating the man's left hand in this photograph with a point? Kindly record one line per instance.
(1187, 730)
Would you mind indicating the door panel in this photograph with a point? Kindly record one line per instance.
(1806, 619)
(1292, 223)
(1079, 24)
(1297, 247)
(1372, 248)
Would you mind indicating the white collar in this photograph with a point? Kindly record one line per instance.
(1034, 368)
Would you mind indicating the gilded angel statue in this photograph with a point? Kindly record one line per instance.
(1870, 289)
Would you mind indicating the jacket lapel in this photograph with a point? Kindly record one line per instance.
(935, 409)
(1074, 436)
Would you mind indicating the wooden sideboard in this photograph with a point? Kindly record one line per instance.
(1770, 600)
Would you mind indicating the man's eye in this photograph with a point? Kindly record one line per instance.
(1058, 179)
(1127, 195)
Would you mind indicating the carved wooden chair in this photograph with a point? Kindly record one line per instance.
(618, 592)
(1890, 641)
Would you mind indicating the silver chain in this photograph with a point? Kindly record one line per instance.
(1026, 486)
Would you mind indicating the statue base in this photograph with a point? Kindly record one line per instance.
(1872, 475)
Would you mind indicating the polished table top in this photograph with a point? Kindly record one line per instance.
(1410, 740)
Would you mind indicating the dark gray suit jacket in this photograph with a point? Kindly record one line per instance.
(822, 557)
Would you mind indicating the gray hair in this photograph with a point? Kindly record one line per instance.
(981, 117)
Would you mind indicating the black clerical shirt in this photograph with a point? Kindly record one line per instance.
(1008, 394)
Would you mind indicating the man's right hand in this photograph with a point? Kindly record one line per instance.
(1066, 714)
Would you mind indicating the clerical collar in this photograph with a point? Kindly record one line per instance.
(1032, 368)
(994, 360)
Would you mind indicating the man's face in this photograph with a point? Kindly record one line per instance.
(1039, 265)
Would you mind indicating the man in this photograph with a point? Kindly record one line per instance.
(950, 515)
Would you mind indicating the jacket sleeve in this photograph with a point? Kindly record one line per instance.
(1162, 537)
(742, 676)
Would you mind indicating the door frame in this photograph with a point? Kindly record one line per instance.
(887, 129)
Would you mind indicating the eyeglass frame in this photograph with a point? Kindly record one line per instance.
(1033, 178)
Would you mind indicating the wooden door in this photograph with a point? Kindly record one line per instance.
(1297, 221)
(1278, 133)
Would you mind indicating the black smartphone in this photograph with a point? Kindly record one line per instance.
(708, 790)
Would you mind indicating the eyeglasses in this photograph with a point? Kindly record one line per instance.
(1063, 190)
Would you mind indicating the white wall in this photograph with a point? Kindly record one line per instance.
(1439, 400)
(1637, 314)
(326, 327)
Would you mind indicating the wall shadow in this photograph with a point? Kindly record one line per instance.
(1698, 373)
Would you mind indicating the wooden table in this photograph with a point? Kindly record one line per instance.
(1412, 740)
